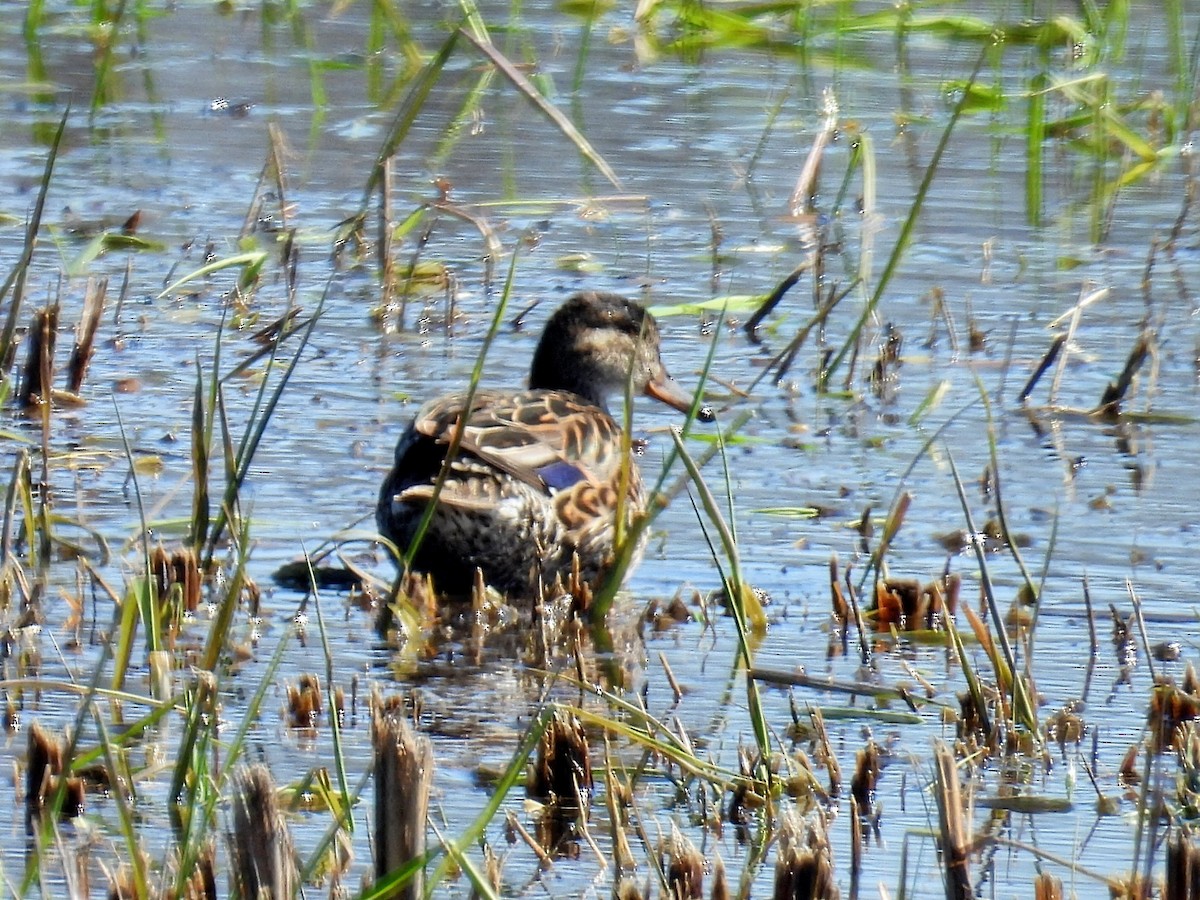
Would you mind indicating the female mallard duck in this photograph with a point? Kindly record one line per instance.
(537, 478)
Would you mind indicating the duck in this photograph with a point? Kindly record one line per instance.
(540, 475)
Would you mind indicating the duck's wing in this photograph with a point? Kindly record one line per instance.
(550, 440)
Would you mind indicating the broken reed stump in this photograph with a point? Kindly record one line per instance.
(868, 764)
(200, 885)
(905, 604)
(264, 863)
(305, 702)
(1172, 708)
(804, 864)
(1056, 346)
(37, 377)
(954, 838)
(720, 888)
(1183, 868)
(176, 568)
(44, 778)
(561, 780)
(684, 867)
(1047, 887)
(403, 775)
(1114, 394)
(85, 333)
(562, 775)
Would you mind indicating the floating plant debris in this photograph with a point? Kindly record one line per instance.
(46, 780)
(906, 605)
(305, 702)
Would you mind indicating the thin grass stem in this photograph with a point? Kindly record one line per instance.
(907, 229)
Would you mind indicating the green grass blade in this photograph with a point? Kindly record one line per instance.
(15, 282)
(410, 108)
(1023, 708)
(513, 775)
(250, 261)
(264, 409)
(1035, 138)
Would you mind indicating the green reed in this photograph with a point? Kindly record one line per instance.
(14, 285)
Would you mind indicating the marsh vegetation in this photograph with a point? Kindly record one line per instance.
(915, 613)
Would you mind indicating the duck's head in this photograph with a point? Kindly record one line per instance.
(594, 343)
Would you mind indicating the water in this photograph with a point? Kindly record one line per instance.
(696, 143)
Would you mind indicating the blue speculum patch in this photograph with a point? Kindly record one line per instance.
(560, 475)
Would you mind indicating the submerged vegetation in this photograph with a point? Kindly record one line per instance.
(185, 727)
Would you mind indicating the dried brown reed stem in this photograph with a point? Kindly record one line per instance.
(1128, 773)
(37, 376)
(1131, 887)
(1073, 317)
(804, 864)
(1114, 394)
(865, 780)
(825, 683)
(403, 775)
(414, 591)
(672, 682)
(1124, 643)
(305, 702)
(260, 847)
(202, 883)
(1140, 621)
(562, 780)
(744, 798)
(840, 609)
(272, 185)
(856, 845)
(1182, 880)
(493, 872)
(864, 649)
(940, 309)
(825, 754)
(85, 333)
(616, 799)
(954, 835)
(1047, 887)
(907, 605)
(177, 568)
(121, 884)
(1172, 707)
(883, 375)
(801, 200)
(44, 778)
(1048, 359)
(683, 866)
(385, 256)
(751, 326)
(562, 775)
(1091, 618)
(515, 826)
(720, 888)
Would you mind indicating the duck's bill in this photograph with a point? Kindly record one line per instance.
(664, 390)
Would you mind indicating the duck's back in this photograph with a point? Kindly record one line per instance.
(538, 477)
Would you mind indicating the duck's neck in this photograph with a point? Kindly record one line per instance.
(552, 372)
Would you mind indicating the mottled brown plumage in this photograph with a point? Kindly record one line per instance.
(538, 476)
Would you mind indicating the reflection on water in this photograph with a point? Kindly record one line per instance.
(709, 151)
